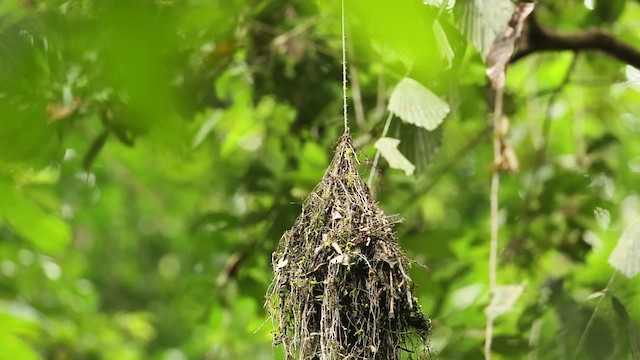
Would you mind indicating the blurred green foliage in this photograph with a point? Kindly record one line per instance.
(152, 153)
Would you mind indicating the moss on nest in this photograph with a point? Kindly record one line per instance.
(341, 287)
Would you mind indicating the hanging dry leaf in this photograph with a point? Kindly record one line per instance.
(504, 45)
(58, 111)
(507, 160)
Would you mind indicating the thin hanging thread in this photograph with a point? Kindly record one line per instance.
(344, 71)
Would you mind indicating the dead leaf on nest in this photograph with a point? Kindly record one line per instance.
(58, 111)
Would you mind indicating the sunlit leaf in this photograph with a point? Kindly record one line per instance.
(443, 43)
(388, 148)
(439, 3)
(17, 348)
(206, 128)
(48, 233)
(603, 217)
(481, 21)
(455, 39)
(596, 295)
(417, 105)
(633, 77)
(626, 255)
(17, 324)
(503, 300)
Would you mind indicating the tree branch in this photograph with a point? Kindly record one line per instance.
(537, 38)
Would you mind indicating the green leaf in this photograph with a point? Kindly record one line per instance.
(455, 39)
(16, 323)
(48, 233)
(503, 300)
(439, 3)
(619, 309)
(603, 217)
(606, 12)
(419, 145)
(206, 128)
(13, 329)
(627, 320)
(417, 105)
(446, 51)
(15, 348)
(510, 345)
(481, 21)
(388, 148)
(626, 255)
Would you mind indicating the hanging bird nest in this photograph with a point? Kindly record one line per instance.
(341, 287)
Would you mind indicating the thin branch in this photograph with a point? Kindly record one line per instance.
(495, 224)
(538, 39)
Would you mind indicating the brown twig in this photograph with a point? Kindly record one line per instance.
(495, 224)
(538, 38)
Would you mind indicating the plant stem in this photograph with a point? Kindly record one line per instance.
(495, 225)
(344, 70)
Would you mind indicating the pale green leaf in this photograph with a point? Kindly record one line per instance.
(417, 105)
(603, 217)
(503, 300)
(14, 329)
(388, 148)
(482, 21)
(14, 347)
(626, 255)
(446, 51)
(439, 3)
(206, 128)
(633, 77)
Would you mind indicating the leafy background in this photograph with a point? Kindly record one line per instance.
(153, 152)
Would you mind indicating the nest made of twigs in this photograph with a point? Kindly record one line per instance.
(341, 288)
